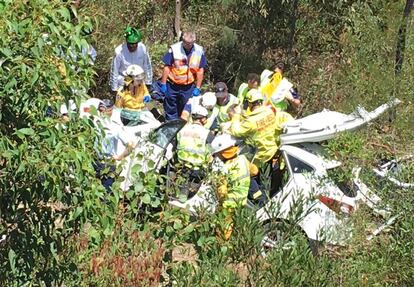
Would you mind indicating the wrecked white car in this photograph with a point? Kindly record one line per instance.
(324, 205)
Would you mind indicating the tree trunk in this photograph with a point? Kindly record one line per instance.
(177, 21)
(401, 38)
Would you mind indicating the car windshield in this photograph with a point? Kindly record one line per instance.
(164, 134)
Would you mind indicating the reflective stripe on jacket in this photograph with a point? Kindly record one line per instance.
(221, 112)
(259, 129)
(238, 181)
(242, 92)
(185, 67)
(192, 147)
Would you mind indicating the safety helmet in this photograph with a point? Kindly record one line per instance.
(199, 111)
(134, 72)
(132, 35)
(222, 142)
(64, 110)
(209, 100)
(265, 75)
(254, 95)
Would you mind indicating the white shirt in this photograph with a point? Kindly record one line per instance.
(124, 58)
(116, 138)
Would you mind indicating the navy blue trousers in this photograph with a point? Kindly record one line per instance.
(175, 99)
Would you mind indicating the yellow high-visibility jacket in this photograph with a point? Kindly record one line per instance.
(125, 100)
(258, 128)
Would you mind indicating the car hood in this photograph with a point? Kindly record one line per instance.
(327, 124)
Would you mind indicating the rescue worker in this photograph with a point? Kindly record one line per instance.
(110, 151)
(134, 95)
(278, 91)
(133, 52)
(235, 183)
(183, 74)
(207, 100)
(257, 126)
(253, 82)
(225, 103)
(192, 140)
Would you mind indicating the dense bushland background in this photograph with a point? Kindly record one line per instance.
(64, 230)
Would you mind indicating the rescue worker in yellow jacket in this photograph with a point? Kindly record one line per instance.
(253, 82)
(134, 95)
(225, 103)
(192, 150)
(235, 181)
(257, 126)
(279, 93)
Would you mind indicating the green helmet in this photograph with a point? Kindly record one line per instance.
(132, 35)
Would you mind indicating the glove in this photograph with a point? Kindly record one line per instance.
(196, 92)
(147, 99)
(163, 88)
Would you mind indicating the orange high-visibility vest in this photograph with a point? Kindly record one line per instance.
(185, 68)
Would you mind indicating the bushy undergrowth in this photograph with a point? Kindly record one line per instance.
(62, 229)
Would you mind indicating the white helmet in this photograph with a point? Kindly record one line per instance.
(222, 142)
(199, 111)
(64, 108)
(209, 100)
(135, 71)
(264, 76)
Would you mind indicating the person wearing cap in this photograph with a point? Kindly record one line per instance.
(192, 140)
(253, 82)
(207, 100)
(225, 103)
(134, 95)
(278, 91)
(236, 179)
(183, 74)
(132, 52)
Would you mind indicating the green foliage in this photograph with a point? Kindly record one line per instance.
(48, 187)
(340, 54)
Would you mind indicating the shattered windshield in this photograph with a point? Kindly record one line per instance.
(165, 134)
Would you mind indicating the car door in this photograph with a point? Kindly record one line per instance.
(295, 188)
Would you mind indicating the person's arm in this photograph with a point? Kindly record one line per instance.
(222, 190)
(168, 60)
(130, 147)
(242, 92)
(115, 77)
(145, 89)
(295, 102)
(200, 77)
(293, 98)
(128, 142)
(165, 74)
(239, 128)
(119, 103)
(147, 67)
(254, 170)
